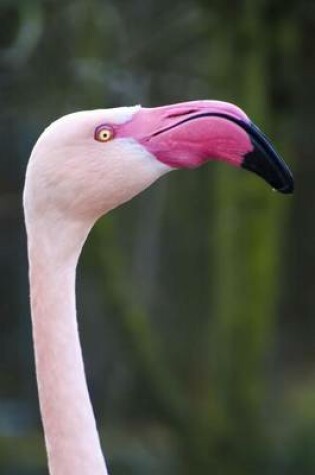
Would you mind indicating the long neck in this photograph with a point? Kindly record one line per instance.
(72, 441)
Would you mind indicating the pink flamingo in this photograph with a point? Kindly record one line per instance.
(82, 166)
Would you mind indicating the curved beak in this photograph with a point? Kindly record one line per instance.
(265, 161)
(186, 135)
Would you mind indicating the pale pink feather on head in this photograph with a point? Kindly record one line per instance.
(80, 177)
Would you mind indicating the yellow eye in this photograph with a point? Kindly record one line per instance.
(104, 133)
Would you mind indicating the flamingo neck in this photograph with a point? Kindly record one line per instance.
(71, 437)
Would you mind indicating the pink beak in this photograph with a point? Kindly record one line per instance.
(188, 134)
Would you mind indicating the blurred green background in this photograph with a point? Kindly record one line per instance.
(196, 300)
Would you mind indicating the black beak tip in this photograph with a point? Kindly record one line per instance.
(271, 168)
(265, 162)
(288, 187)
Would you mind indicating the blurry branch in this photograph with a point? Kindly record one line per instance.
(128, 72)
(183, 415)
(28, 35)
(120, 82)
(120, 292)
(181, 22)
(147, 245)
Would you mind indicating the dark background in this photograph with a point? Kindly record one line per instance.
(196, 300)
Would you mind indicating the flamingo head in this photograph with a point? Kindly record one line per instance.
(89, 162)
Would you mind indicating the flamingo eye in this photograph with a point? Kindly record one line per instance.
(104, 133)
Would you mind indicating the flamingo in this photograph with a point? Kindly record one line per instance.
(82, 166)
